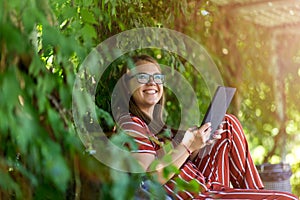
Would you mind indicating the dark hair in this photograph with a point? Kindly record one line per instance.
(125, 102)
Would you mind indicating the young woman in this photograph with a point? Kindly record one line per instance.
(213, 164)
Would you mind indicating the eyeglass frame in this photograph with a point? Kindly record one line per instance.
(149, 76)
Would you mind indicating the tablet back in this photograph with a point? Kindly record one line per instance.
(218, 106)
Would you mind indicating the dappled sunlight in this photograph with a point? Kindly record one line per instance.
(257, 154)
(255, 45)
(293, 157)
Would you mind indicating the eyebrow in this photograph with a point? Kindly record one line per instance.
(148, 73)
(157, 73)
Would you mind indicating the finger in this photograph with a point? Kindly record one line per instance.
(216, 136)
(218, 132)
(204, 134)
(209, 142)
(204, 127)
(213, 139)
(220, 126)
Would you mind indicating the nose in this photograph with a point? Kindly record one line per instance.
(151, 81)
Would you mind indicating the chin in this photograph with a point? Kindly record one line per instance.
(152, 103)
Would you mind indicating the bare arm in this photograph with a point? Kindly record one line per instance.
(179, 155)
(192, 141)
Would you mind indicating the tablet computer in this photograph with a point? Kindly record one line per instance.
(217, 109)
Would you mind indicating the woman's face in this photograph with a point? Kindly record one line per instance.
(148, 94)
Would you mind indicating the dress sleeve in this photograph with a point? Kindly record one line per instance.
(137, 129)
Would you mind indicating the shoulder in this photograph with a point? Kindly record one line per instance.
(133, 125)
(130, 118)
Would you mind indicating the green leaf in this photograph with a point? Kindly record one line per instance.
(12, 37)
(56, 122)
(65, 96)
(68, 12)
(168, 147)
(10, 89)
(170, 169)
(30, 18)
(46, 190)
(156, 190)
(121, 139)
(121, 184)
(51, 36)
(88, 16)
(55, 167)
(26, 129)
(8, 184)
(36, 66)
(192, 185)
(89, 32)
(104, 115)
(28, 174)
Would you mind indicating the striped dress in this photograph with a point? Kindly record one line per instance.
(216, 167)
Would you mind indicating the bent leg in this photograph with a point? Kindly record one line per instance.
(228, 159)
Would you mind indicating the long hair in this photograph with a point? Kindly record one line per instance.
(126, 104)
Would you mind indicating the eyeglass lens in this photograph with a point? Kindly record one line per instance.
(145, 78)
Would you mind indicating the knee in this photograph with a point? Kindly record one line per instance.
(233, 125)
(230, 118)
(232, 121)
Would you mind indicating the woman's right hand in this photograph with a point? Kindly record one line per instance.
(195, 139)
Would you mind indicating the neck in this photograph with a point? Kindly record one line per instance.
(148, 111)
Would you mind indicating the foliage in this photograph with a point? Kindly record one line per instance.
(43, 44)
(262, 64)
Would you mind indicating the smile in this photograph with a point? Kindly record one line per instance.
(150, 91)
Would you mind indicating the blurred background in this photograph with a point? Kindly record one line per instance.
(254, 43)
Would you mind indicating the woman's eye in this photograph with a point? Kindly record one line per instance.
(156, 78)
(142, 76)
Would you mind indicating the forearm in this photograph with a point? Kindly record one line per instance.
(179, 155)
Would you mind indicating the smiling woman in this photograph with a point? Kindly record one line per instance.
(212, 165)
(146, 85)
(141, 91)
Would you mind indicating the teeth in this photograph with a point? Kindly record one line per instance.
(150, 91)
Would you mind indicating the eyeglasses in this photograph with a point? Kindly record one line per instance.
(144, 78)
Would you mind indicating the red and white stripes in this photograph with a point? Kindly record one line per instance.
(226, 161)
